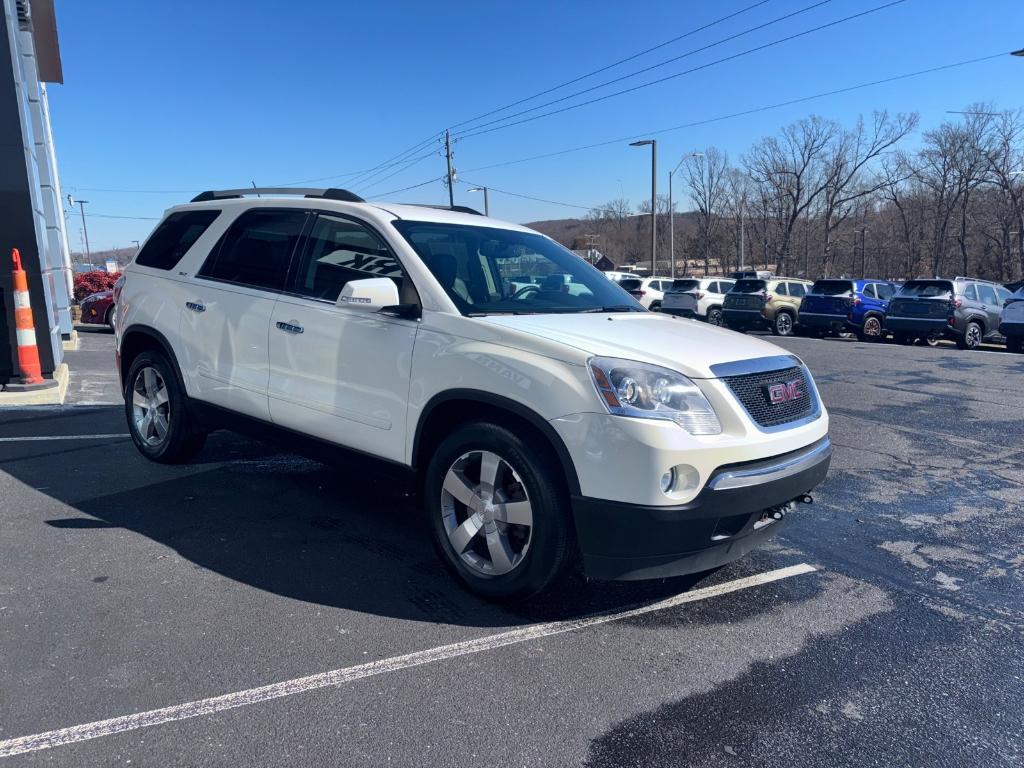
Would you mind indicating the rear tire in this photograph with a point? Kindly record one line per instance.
(871, 330)
(498, 512)
(159, 419)
(783, 324)
(111, 314)
(971, 338)
(1015, 344)
(715, 317)
(655, 306)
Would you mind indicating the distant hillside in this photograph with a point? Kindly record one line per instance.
(98, 258)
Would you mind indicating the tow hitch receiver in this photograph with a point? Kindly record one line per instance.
(772, 514)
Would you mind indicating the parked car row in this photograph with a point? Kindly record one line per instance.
(968, 311)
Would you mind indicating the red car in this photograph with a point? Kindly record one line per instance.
(98, 309)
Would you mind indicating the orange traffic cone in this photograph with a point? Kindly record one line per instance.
(28, 352)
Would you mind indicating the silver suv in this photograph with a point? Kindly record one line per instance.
(962, 309)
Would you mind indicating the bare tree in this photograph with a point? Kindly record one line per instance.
(706, 178)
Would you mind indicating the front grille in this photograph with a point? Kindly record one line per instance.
(753, 390)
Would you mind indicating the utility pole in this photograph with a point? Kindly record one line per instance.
(85, 231)
(451, 171)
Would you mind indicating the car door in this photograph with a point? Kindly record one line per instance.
(339, 373)
(992, 307)
(226, 318)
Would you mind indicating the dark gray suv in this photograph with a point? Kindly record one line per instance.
(963, 309)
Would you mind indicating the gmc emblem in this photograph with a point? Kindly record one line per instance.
(784, 392)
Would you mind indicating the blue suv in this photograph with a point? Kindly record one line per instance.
(838, 305)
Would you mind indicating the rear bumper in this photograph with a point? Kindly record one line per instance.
(921, 325)
(630, 542)
(826, 321)
(744, 318)
(1011, 328)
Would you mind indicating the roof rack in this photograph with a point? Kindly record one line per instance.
(976, 280)
(458, 208)
(331, 193)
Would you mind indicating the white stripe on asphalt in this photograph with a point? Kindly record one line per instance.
(60, 437)
(336, 677)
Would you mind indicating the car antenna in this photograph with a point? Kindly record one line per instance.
(255, 187)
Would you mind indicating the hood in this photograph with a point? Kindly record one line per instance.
(688, 346)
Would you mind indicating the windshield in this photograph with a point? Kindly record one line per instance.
(685, 285)
(749, 286)
(927, 289)
(486, 270)
(832, 287)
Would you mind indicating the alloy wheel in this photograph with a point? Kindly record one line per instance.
(783, 324)
(486, 513)
(151, 407)
(973, 336)
(715, 317)
(872, 327)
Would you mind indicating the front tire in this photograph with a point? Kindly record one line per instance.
(498, 512)
(157, 411)
(783, 325)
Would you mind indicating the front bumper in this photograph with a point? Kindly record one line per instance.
(626, 541)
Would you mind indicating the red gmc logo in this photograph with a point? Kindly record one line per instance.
(784, 392)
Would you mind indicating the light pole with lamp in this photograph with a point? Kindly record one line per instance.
(487, 205)
(672, 213)
(654, 198)
(85, 231)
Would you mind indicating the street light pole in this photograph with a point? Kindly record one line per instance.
(487, 205)
(85, 230)
(654, 198)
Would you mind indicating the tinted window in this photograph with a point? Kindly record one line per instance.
(781, 290)
(257, 249)
(725, 286)
(797, 289)
(970, 292)
(831, 287)
(927, 289)
(1003, 294)
(884, 290)
(869, 291)
(685, 285)
(481, 270)
(630, 284)
(172, 239)
(749, 286)
(338, 250)
(987, 295)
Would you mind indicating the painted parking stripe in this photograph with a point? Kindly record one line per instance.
(61, 437)
(77, 733)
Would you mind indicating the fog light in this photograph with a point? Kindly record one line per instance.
(668, 480)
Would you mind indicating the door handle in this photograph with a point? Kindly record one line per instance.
(290, 327)
(195, 306)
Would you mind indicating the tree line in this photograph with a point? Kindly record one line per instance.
(820, 200)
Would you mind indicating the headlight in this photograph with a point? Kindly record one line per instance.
(644, 391)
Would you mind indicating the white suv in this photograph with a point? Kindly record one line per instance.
(544, 418)
(702, 298)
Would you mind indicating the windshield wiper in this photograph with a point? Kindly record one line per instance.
(612, 308)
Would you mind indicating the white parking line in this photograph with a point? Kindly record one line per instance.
(60, 437)
(34, 743)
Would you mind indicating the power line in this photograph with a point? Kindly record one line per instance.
(405, 167)
(404, 189)
(530, 197)
(743, 113)
(613, 64)
(112, 216)
(688, 71)
(660, 64)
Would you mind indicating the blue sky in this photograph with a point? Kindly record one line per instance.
(185, 96)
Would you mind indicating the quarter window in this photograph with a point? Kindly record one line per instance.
(339, 250)
(781, 290)
(884, 291)
(172, 239)
(257, 249)
(869, 291)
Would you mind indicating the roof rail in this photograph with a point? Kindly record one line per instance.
(458, 208)
(976, 280)
(331, 193)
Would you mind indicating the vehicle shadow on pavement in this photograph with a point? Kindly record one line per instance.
(327, 535)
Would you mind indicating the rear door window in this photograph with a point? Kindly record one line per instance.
(781, 290)
(257, 249)
(172, 239)
(869, 291)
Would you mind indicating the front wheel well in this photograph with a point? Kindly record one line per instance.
(441, 418)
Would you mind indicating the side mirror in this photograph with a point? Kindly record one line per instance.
(372, 294)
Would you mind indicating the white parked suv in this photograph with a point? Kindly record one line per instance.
(544, 418)
(652, 291)
(701, 298)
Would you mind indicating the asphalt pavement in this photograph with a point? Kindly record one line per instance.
(258, 608)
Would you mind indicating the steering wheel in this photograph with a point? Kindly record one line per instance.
(521, 293)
